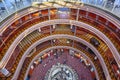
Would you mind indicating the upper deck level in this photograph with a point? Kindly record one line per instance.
(8, 7)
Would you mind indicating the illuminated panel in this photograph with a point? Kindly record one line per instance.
(57, 6)
(47, 4)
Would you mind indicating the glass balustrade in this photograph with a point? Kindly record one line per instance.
(8, 7)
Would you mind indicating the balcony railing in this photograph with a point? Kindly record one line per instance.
(8, 7)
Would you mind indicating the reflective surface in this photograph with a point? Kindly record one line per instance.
(7, 7)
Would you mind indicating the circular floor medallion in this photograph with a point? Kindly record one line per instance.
(61, 72)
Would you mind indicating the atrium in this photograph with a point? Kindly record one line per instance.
(59, 39)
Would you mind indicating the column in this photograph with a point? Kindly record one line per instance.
(105, 2)
(73, 44)
(113, 7)
(106, 23)
(20, 21)
(30, 16)
(1, 18)
(95, 2)
(39, 30)
(116, 2)
(51, 42)
(97, 17)
(50, 30)
(75, 32)
(51, 33)
(15, 5)
(87, 14)
(77, 15)
(5, 6)
(49, 13)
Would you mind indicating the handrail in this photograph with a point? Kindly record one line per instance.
(36, 10)
(65, 36)
(86, 7)
(66, 47)
(60, 21)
